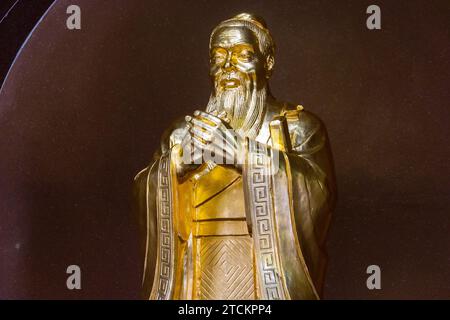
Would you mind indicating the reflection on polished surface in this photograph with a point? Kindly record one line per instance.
(254, 225)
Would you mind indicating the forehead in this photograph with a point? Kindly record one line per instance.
(230, 36)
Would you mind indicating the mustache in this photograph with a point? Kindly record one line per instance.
(232, 75)
(233, 80)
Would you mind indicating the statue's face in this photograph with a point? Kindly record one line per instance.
(236, 58)
(239, 76)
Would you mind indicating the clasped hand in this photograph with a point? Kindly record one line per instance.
(210, 138)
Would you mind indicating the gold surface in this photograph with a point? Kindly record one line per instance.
(226, 268)
(220, 228)
(212, 183)
(223, 247)
(226, 205)
(253, 230)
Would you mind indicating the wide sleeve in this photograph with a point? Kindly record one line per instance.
(309, 168)
(290, 193)
(149, 194)
(145, 212)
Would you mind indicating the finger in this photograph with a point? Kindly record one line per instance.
(199, 133)
(199, 143)
(224, 134)
(209, 117)
(202, 124)
(222, 115)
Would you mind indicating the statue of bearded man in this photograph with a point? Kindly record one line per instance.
(237, 203)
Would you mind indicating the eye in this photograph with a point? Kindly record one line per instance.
(245, 56)
(218, 56)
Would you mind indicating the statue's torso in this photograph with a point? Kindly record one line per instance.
(222, 245)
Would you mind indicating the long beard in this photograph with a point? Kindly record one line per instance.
(244, 106)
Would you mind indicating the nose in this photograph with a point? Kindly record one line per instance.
(228, 60)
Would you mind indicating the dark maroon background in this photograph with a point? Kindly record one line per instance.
(82, 111)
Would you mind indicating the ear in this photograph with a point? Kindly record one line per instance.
(270, 62)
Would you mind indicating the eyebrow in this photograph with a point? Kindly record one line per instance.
(242, 45)
(232, 37)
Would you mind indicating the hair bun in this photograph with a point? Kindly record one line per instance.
(253, 18)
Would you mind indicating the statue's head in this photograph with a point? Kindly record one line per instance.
(241, 62)
(243, 45)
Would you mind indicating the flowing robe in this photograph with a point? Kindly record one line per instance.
(289, 194)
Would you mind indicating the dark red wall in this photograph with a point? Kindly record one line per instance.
(82, 111)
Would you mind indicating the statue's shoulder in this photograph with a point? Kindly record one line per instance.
(298, 115)
(302, 124)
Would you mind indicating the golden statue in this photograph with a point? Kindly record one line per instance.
(237, 203)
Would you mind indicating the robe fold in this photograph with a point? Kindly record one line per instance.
(289, 196)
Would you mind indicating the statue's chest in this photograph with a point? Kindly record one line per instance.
(223, 247)
(219, 207)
